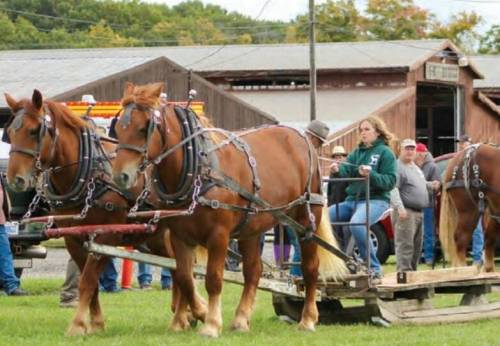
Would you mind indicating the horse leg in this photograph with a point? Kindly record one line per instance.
(463, 236)
(89, 298)
(310, 264)
(252, 269)
(490, 234)
(217, 249)
(183, 278)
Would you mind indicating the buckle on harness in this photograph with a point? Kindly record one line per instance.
(109, 206)
(214, 204)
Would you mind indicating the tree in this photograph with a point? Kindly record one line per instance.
(460, 30)
(336, 21)
(27, 36)
(490, 42)
(396, 20)
(7, 32)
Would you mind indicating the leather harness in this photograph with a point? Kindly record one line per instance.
(201, 169)
(93, 177)
(471, 181)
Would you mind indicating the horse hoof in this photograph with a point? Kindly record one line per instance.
(306, 326)
(179, 326)
(240, 326)
(96, 327)
(76, 330)
(209, 332)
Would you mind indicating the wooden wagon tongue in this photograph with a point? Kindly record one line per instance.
(161, 214)
(105, 228)
(100, 229)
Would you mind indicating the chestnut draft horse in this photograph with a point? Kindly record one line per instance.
(471, 188)
(236, 185)
(47, 135)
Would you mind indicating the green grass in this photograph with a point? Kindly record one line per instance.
(54, 243)
(142, 318)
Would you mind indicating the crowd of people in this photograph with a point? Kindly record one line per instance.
(403, 178)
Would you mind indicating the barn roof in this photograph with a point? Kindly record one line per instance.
(60, 70)
(490, 66)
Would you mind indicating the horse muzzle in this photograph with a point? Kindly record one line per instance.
(124, 180)
(20, 184)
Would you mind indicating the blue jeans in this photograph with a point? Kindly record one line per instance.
(478, 243)
(108, 278)
(295, 269)
(7, 276)
(355, 212)
(166, 278)
(429, 235)
(144, 276)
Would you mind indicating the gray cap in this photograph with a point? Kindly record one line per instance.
(408, 142)
(318, 129)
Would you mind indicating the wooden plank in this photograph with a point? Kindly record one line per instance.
(444, 315)
(446, 274)
(464, 283)
(237, 278)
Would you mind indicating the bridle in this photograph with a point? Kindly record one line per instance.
(45, 128)
(155, 117)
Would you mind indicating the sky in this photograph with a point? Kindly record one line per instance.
(286, 10)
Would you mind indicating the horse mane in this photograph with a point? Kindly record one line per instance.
(143, 95)
(63, 114)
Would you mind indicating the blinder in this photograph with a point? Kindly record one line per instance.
(124, 122)
(17, 124)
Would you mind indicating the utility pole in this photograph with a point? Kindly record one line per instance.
(312, 59)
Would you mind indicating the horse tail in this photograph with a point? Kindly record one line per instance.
(447, 227)
(201, 255)
(330, 266)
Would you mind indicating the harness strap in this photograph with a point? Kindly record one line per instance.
(277, 212)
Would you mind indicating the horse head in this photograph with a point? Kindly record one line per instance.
(30, 132)
(136, 128)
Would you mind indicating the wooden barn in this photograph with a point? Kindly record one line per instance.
(422, 89)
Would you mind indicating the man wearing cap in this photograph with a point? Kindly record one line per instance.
(409, 197)
(317, 132)
(425, 161)
(336, 189)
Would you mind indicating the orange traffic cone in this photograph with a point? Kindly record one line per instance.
(127, 271)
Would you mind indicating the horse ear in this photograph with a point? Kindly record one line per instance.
(10, 101)
(129, 89)
(37, 99)
(157, 89)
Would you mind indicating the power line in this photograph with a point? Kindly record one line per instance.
(225, 44)
(262, 9)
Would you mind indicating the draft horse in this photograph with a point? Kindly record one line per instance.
(47, 138)
(234, 185)
(471, 189)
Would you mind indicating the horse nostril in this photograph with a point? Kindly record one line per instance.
(19, 181)
(124, 178)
